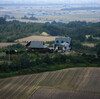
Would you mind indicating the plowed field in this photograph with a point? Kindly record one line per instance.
(74, 83)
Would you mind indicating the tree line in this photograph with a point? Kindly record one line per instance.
(35, 63)
(12, 30)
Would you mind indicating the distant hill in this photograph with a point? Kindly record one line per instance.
(74, 83)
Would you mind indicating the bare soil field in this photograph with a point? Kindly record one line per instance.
(74, 83)
(37, 38)
(7, 44)
(50, 93)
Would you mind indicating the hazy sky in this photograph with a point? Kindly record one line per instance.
(49, 1)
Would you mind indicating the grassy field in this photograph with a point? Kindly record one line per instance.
(74, 83)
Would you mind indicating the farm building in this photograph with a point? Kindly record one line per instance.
(62, 44)
(36, 45)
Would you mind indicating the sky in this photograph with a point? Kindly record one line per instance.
(48, 1)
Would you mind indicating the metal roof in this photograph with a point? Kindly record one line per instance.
(67, 40)
(36, 44)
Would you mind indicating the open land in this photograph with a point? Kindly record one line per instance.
(74, 83)
(43, 37)
(50, 93)
(49, 13)
(89, 44)
(8, 44)
(37, 38)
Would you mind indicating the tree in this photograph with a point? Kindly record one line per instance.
(77, 44)
(90, 39)
(97, 47)
(2, 20)
(24, 60)
(47, 59)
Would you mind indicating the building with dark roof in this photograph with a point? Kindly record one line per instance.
(36, 45)
(60, 45)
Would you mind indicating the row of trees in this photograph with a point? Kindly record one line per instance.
(29, 18)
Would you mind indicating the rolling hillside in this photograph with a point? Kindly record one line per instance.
(74, 83)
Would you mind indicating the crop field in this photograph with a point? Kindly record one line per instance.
(74, 83)
(37, 38)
